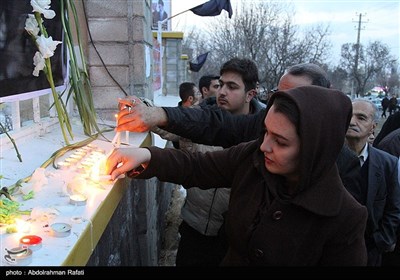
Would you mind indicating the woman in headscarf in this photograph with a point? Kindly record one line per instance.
(288, 206)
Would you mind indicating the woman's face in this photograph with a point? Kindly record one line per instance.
(281, 145)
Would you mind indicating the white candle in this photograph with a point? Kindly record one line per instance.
(108, 177)
(118, 140)
(63, 165)
(115, 139)
(60, 229)
(71, 160)
(127, 137)
(19, 256)
(77, 199)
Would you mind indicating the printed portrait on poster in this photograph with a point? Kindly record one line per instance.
(161, 10)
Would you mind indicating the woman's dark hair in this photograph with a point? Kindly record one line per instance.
(288, 107)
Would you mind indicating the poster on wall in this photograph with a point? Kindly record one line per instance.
(161, 10)
(17, 51)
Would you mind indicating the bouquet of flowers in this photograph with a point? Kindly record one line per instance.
(46, 47)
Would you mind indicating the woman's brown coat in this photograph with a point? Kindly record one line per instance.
(322, 224)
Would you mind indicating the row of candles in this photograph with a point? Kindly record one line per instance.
(86, 163)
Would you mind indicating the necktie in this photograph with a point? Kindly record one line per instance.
(361, 158)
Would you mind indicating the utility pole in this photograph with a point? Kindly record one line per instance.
(355, 70)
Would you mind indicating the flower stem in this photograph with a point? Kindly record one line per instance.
(12, 141)
(62, 115)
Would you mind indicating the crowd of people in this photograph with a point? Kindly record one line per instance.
(299, 182)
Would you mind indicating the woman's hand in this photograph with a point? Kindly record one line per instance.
(123, 160)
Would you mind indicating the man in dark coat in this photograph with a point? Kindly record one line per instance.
(385, 105)
(392, 123)
(380, 189)
(389, 141)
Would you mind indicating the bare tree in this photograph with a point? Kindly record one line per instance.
(264, 32)
(373, 61)
(339, 77)
(389, 79)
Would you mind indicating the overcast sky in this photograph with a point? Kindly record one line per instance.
(380, 19)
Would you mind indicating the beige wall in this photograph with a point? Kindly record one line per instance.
(121, 33)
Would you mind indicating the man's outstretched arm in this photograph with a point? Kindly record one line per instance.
(208, 125)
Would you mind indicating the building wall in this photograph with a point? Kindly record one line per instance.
(120, 53)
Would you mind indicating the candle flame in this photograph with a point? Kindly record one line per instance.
(98, 168)
(22, 226)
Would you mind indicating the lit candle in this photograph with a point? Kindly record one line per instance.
(108, 177)
(81, 169)
(85, 149)
(77, 199)
(117, 138)
(87, 163)
(60, 229)
(99, 150)
(80, 153)
(33, 242)
(76, 156)
(71, 160)
(22, 226)
(92, 146)
(63, 165)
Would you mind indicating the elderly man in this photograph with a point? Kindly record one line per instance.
(379, 190)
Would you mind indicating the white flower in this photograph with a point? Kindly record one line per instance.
(47, 46)
(39, 63)
(31, 25)
(43, 7)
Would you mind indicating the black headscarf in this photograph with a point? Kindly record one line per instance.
(325, 115)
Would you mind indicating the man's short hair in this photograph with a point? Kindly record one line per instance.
(246, 68)
(205, 81)
(186, 89)
(317, 75)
